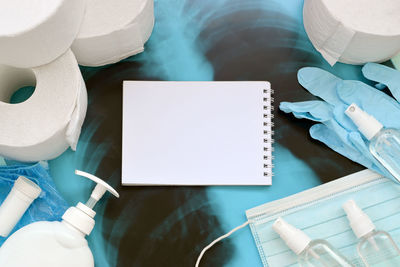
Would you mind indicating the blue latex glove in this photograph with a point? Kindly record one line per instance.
(49, 206)
(335, 129)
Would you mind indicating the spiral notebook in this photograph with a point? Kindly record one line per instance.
(197, 133)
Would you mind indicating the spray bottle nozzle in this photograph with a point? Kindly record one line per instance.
(294, 238)
(359, 220)
(99, 190)
(366, 123)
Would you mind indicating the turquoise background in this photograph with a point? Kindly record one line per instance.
(199, 40)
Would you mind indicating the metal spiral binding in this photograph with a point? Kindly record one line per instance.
(268, 132)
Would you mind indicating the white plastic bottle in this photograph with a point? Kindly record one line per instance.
(61, 244)
(21, 196)
(311, 253)
(375, 248)
(384, 143)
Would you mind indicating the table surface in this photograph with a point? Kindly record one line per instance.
(199, 40)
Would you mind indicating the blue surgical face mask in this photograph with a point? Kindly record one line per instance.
(49, 206)
(318, 212)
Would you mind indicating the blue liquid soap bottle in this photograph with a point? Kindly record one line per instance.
(375, 248)
(384, 144)
(311, 253)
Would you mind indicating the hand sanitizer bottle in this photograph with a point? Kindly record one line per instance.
(61, 244)
(311, 253)
(376, 248)
(384, 143)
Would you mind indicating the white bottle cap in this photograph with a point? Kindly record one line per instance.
(294, 238)
(81, 216)
(79, 219)
(359, 221)
(366, 123)
(23, 193)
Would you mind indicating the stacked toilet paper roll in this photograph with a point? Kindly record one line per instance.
(35, 41)
(113, 30)
(353, 32)
(46, 124)
(35, 32)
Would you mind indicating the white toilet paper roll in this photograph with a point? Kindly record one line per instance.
(353, 32)
(47, 123)
(113, 30)
(35, 32)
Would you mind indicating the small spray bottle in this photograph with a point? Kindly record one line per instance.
(376, 248)
(384, 144)
(61, 244)
(311, 253)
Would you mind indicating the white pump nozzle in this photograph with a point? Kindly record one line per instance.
(99, 190)
(359, 221)
(81, 216)
(366, 124)
(294, 238)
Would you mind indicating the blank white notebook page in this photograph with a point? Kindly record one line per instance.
(196, 133)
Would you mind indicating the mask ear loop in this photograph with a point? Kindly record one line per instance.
(219, 239)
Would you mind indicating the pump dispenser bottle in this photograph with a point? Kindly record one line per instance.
(61, 244)
(376, 248)
(311, 253)
(384, 144)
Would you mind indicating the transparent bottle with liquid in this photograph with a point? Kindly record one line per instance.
(311, 253)
(375, 248)
(384, 144)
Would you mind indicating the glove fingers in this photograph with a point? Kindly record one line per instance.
(327, 136)
(383, 75)
(374, 102)
(320, 83)
(342, 119)
(337, 142)
(311, 110)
